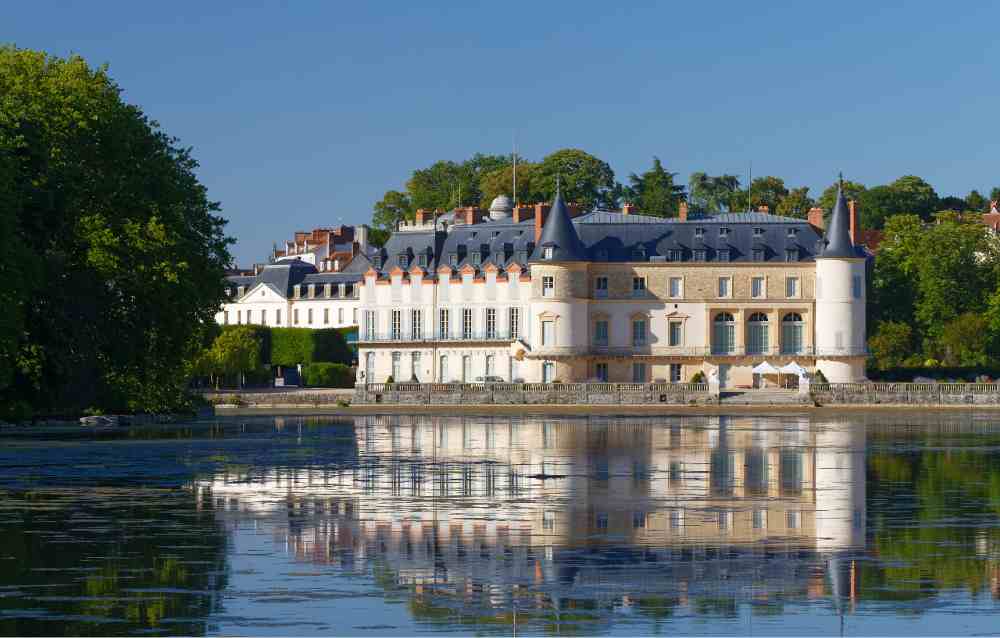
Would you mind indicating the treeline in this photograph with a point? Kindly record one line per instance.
(590, 181)
(112, 257)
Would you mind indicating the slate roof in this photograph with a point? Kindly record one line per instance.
(285, 274)
(559, 237)
(837, 242)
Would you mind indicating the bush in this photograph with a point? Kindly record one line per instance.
(328, 375)
(908, 373)
(290, 346)
(698, 377)
(820, 377)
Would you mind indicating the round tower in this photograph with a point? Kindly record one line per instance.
(840, 301)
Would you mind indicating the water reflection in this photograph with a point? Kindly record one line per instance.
(479, 517)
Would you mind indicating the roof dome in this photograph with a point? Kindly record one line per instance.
(501, 207)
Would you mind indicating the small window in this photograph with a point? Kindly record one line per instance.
(699, 254)
(638, 254)
(639, 332)
(758, 232)
(856, 286)
(724, 255)
(477, 258)
(421, 260)
(601, 372)
(548, 333)
(676, 287)
(758, 254)
(792, 232)
(547, 252)
(601, 332)
(601, 287)
(792, 254)
(757, 287)
(723, 231)
(638, 286)
(699, 232)
(638, 373)
(548, 286)
(453, 259)
(674, 255)
(792, 287)
(404, 261)
(724, 286)
(674, 337)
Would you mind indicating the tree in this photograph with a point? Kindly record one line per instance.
(709, 193)
(891, 344)
(767, 191)
(964, 340)
(128, 250)
(236, 351)
(446, 185)
(654, 192)
(584, 178)
(914, 195)
(951, 202)
(975, 201)
(893, 295)
(796, 204)
(500, 181)
(995, 194)
(394, 207)
(852, 190)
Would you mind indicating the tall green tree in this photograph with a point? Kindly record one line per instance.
(130, 251)
(975, 201)
(796, 203)
(585, 179)
(708, 193)
(852, 190)
(500, 181)
(654, 192)
(394, 207)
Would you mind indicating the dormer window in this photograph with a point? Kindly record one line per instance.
(404, 261)
(792, 254)
(638, 254)
(699, 254)
(758, 254)
(792, 232)
(547, 252)
(421, 260)
(522, 256)
(453, 259)
(240, 291)
(724, 255)
(699, 232)
(496, 233)
(723, 231)
(229, 292)
(477, 258)
(378, 261)
(758, 232)
(602, 255)
(673, 255)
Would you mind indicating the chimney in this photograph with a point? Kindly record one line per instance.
(523, 213)
(852, 206)
(764, 208)
(628, 208)
(816, 217)
(682, 211)
(419, 219)
(574, 210)
(541, 214)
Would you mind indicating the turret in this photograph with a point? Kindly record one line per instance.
(840, 300)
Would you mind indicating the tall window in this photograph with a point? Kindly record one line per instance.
(490, 365)
(856, 286)
(601, 287)
(396, 358)
(757, 287)
(309, 316)
(601, 372)
(757, 333)
(514, 321)
(723, 334)
(370, 326)
(601, 332)
(638, 286)
(548, 286)
(548, 372)
(638, 332)
(674, 334)
(396, 329)
(225, 317)
(263, 317)
(675, 287)
(340, 316)
(548, 333)
(675, 373)
(792, 287)
(277, 317)
(725, 287)
(415, 365)
(326, 315)
(491, 323)
(466, 369)
(638, 373)
(443, 323)
(354, 316)
(416, 324)
(466, 323)
(443, 369)
(295, 316)
(791, 333)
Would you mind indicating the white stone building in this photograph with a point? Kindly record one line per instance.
(540, 294)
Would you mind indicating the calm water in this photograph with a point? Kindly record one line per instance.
(403, 525)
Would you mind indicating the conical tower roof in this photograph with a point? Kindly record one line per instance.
(837, 241)
(560, 235)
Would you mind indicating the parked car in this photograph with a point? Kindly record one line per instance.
(490, 379)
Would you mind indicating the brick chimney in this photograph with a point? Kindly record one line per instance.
(628, 208)
(420, 217)
(541, 214)
(682, 211)
(522, 213)
(574, 210)
(816, 217)
(852, 206)
(764, 208)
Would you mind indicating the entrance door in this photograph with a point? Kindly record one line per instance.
(723, 375)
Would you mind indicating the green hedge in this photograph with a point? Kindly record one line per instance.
(290, 346)
(328, 375)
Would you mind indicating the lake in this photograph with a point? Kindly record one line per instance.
(869, 523)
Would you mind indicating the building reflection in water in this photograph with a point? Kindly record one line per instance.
(488, 514)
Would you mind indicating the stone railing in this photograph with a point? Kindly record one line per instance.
(905, 393)
(531, 393)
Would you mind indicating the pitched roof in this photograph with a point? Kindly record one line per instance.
(837, 242)
(559, 236)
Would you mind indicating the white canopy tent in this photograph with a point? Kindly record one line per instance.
(792, 368)
(764, 368)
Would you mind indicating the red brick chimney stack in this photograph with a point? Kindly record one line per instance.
(522, 213)
(764, 208)
(628, 208)
(541, 214)
(682, 211)
(816, 217)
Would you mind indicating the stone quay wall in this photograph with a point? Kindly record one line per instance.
(929, 394)
(532, 394)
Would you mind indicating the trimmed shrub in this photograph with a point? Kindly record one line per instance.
(328, 375)
(290, 346)
(698, 377)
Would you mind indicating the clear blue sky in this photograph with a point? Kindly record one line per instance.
(303, 114)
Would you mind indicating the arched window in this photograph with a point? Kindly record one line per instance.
(724, 334)
(791, 333)
(757, 334)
